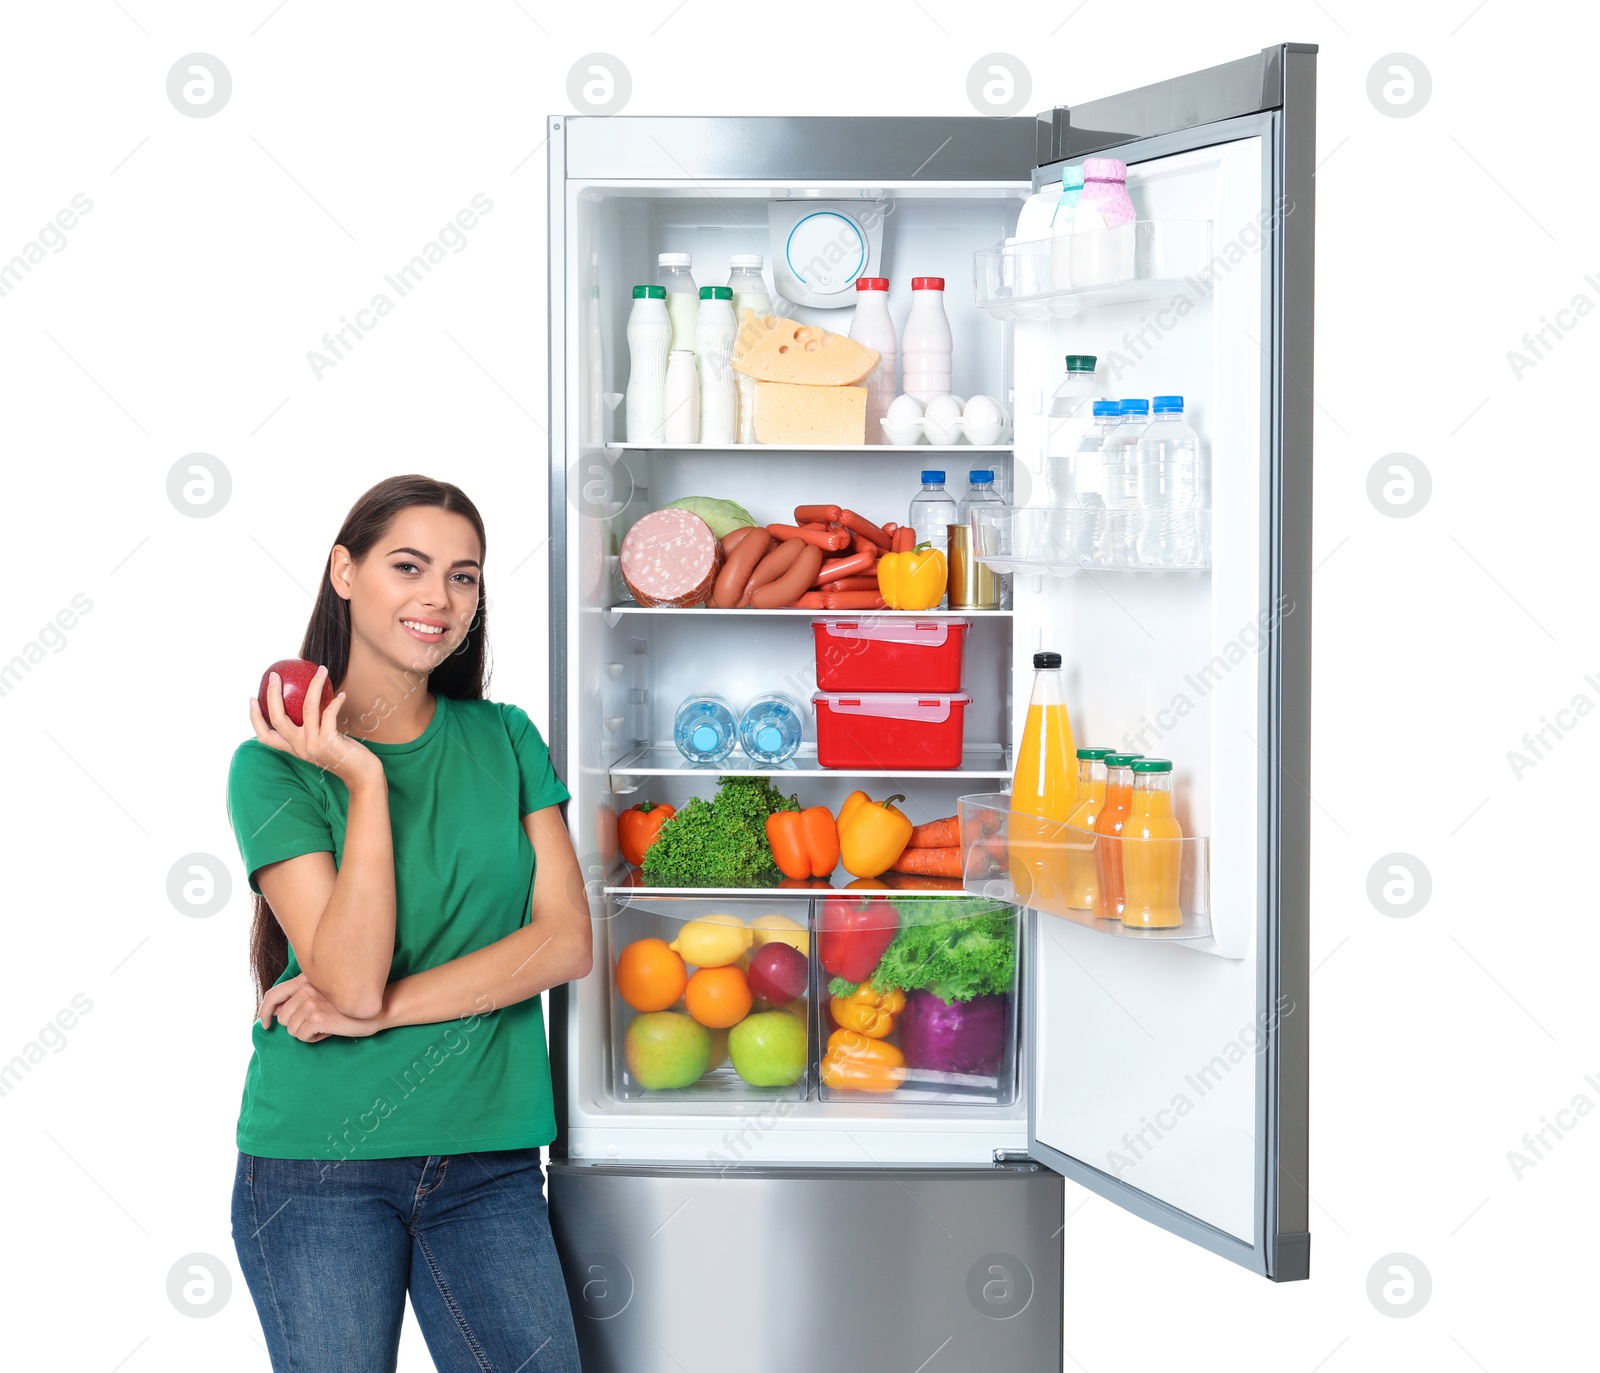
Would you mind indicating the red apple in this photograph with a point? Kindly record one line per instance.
(777, 974)
(295, 676)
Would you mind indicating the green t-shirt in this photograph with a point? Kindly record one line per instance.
(463, 874)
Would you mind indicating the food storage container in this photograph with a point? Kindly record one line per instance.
(890, 730)
(876, 653)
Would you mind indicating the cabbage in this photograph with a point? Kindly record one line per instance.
(963, 1037)
(723, 516)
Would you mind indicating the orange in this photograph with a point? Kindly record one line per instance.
(718, 997)
(650, 976)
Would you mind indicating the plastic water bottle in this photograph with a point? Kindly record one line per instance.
(1088, 481)
(770, 730)
(988, 592)
(1069, 419)
(1117, 542)
(1169, 488)
(705, 731)
(933, 511)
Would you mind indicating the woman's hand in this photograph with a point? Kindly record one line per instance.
(318, 740)
(307, 1014)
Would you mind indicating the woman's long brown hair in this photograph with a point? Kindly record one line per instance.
(462, 676)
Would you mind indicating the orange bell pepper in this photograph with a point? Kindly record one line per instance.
(805, 843)
(872, 1013)
(857, 1063)
(637, 828)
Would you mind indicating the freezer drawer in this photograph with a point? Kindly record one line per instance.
(795, 1269)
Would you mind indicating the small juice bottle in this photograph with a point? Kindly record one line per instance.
(1082, 887)
(1152, 857)
(1044, 790)
(1113, 812)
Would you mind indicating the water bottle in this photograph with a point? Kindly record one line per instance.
(1068, 420)
(1169, 488)
(1088, 480)
(976, 587)
(1117, 542)
(704, 730)
(770, 730)
(933, 512)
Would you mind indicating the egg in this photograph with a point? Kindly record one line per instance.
(901, 437)
(903, 410)
(984, 419)
(942, 420)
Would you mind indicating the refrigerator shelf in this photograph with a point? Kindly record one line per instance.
(612, 613)
(664, 760)
(866, 448)
(1063, 540)
(1037, 863)
(1169, 259)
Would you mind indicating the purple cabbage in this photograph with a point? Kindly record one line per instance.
(958, 1037)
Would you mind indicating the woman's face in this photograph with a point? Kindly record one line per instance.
(414, 596)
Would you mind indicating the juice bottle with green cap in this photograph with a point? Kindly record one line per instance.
(1108, 823)
(1044, 789)
(1152, 857)
(1081, 890)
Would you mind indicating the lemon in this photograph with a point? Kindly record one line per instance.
(712, 941)
(780, 928)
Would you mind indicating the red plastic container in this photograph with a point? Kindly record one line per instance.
(876, 653)
(890, 730)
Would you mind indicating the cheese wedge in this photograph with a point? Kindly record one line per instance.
(752, 328)
(802, 355)
(787, 413)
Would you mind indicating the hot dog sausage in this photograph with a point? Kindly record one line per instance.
(862, 525)
(849, 566)
(792, 584)
(822, 538)
(736, 571)
(771, 567)
(805, 514)
(734, 538)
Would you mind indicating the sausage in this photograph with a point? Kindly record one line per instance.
(822, 538)
(904, 540)
(771, 567)
(735, 574)
(852, 600)
(812, 600)
(792, 584)
(860, 543)
(805, 514)
(856, 563)
(851, 584)
(734, 538)
(862, 525)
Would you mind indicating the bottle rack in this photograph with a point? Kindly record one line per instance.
(1062, 540)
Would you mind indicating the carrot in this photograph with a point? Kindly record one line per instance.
(832, 543)
(850, 566)
(936, 834)
(940, 862)
(852, 584)
(900, 881)
(805, 514)
(862, 525)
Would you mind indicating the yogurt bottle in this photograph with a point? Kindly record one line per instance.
(872, 327)
(1102, 225)
(713, 346)
(649, 334)
(749, 293)
(928, 341)
(682, 398)
(683, 296)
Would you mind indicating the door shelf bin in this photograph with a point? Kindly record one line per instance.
(1058, 277)
(960, 1051)
(1062, 540)
(747, 1053)
(1061, 871)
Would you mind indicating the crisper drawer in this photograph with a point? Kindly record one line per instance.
(847, 999)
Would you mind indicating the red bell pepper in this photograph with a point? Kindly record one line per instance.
(854, 934)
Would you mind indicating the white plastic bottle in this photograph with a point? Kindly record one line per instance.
(1102, 242)
(872, 327)
(927, 341)
(683, 296)
(1169, 488)
(713, 346)
(1062, 219)
(649, 334)
(1070, 418)
(1117, 542)
(749, 293)
(683, 397)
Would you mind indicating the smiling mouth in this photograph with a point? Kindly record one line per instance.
(430, 634)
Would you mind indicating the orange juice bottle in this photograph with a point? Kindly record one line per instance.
(1113, 811)
(1044, 790)
(1081, 889)
(1152, 857)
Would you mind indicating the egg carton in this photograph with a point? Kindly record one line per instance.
(943, 429)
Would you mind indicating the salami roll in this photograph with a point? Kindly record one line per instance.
(670, 557)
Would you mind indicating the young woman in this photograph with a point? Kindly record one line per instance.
(416, 891)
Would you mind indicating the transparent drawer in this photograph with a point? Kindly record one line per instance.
(710, 999)
(1131, 888)
(1063, 540)
(917, 999)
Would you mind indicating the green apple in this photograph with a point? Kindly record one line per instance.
(663, 1050)
(769, 1048)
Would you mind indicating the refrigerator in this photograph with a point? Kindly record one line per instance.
(728, 1226)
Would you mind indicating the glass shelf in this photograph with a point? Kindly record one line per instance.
(1065, 872)
(630, 882)
(613, 613)
(664, 760)
(863, 448)
(1056, 278)
(1070, 539)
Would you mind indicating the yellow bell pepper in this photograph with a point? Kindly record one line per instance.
(872, 834)
(856, 1063)
(914, 580)
(872, 1013)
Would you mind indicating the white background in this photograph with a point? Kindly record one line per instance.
(177, 319)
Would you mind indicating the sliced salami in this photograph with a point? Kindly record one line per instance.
(671, 557)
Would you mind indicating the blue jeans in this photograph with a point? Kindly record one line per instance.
(329, 1251)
